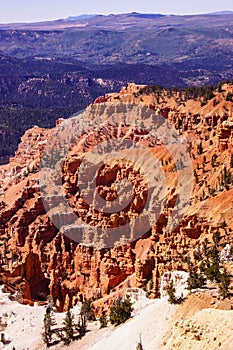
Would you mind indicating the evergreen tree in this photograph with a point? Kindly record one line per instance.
(195, 280)
(171, 293)
(120, 311)
(103, 321)
(212, 270)
(223, 224)
(196, 176)
(81, 327)
(213, 160)
(224, 284)
(69, 328)
(226, 178)
(49, 322)
(205, 246)
(231, 161)
(217, 238)
(87, 310)
(229, 96)
(199, 148)
(139, 344)
(197, 254)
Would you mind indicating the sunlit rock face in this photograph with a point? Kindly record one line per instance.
(41, 256)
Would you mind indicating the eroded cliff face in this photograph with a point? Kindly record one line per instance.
(38, 259)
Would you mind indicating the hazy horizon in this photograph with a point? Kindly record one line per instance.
(108, 14)
(18, 11)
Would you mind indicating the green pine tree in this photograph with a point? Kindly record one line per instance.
(212, 270)
(49, 322)
(103, 321)
(229, 96)
(68, 328)
(217, 238)
(81, 327)
(171, 293)
(224, 284)
(87, 310)
(120, 311)
(195, 280)
(205, 246)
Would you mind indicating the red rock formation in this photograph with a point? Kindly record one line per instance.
(30, 271)
(46, 261)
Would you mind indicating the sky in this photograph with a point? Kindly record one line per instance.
(40, 10)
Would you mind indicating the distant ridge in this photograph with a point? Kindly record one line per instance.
(221, 13)
(105, 20)
(130, 14)
(84, 16)
(145, 15)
